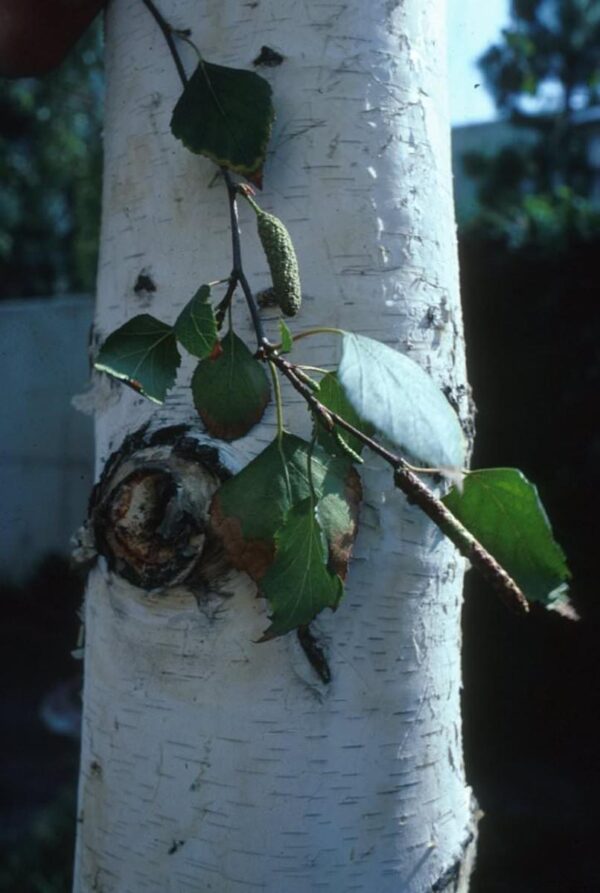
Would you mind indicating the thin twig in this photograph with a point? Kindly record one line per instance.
(184, 35)
(308, 381)
(168, 32)
(330, 418)
(418, 493)
(261, 338)
(317, 330)
(238, 270)
(223, 306)
(413, 488)
(468, 546)
(236, 247)
(278, 401)
(319, 369)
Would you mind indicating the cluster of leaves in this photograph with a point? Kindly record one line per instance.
(230, 388)
(50, 166)
(289, 518)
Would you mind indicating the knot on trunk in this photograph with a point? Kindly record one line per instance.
(149, 512)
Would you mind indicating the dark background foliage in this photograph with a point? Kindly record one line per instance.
(529, 274)
(531, 698)
(38, 767)
(50, 169)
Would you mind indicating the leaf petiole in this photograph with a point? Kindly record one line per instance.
(317, 369)
(318, 330)
(311, 484)
(183, 35)
(278, 400)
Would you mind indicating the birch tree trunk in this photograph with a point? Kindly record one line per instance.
(209, 762)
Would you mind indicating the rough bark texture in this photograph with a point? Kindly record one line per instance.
(210, 762)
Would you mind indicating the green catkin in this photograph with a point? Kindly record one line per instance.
(281, 258)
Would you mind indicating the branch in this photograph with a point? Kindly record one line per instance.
(238, 270)
(237, 274)
(416, 492)
(223, 306)
(168, 32)
(413, 488)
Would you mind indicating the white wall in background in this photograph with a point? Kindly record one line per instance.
(46, 447)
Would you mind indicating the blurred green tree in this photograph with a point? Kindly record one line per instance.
(544, 75)
(549, 53)
(545, 71)
(50, 167)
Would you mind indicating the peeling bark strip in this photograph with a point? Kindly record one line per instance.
(274, 780)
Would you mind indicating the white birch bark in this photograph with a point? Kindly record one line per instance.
(210, 762)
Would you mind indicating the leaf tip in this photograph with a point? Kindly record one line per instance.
(560, 603)
(269, 634)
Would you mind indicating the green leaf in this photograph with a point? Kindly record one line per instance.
(226, 114)
(331, 395)
(298, 584)
(285, 336)
(230, 390)
(401, 401)
(196, 326)
(250, 508)
(502, 509)
(144, 354)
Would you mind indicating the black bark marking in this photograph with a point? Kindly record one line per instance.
(268, 57)
(144, 283)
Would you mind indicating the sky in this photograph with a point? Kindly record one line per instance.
(472, 26)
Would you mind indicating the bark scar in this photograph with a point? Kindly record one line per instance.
(149, 512)
(268, 57)
(144, 283)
